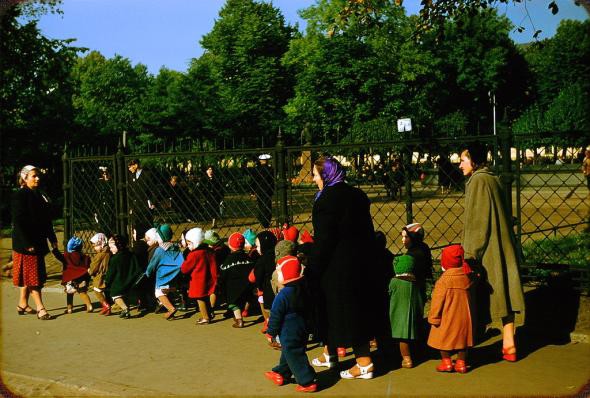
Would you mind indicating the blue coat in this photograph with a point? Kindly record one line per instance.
(166, 265)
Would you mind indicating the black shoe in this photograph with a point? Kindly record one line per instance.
(125, 314)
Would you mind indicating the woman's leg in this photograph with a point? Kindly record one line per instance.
(121, 303)
(362, 354)
(35, 293)
(508, 331)
(23, 299)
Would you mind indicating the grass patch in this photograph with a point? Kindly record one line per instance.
(572, 250)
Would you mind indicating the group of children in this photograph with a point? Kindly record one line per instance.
(268, 268)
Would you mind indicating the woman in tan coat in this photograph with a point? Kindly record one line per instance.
(488, 239)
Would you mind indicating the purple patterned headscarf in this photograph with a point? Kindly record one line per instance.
(332, 174)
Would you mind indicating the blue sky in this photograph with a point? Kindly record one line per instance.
(167, 32)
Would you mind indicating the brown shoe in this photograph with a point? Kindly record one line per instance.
(238, 323)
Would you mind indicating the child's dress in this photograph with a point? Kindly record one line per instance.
(123, 272)
(406, 306)
(289, 325)
(449, 314)
(75, 274)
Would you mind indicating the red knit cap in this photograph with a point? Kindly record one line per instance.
(289, 269)
(291, 233)
(452, 257)
(306, 237)
(236, 241)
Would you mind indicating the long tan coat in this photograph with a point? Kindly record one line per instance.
(98, 269)
(449, 314)
(488, 237)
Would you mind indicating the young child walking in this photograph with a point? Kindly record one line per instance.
(287, 321)
(75, 276)
(200, 264)
(405, 307)
(450, 314)
(98, 269)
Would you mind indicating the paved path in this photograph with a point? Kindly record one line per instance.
(91, 355)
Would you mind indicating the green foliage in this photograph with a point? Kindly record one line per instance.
(246, 46)
(110, 96)
(572, 249)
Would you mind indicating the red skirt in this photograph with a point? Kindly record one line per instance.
(28, 270)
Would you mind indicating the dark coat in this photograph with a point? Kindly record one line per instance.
(31, 222)
(234, 276)
(342, 265)
(122, 274)
(422, 265)
(265, 266)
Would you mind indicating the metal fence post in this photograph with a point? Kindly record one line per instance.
(407, 162)
(121, 195)
(282, 181)
(67, 185)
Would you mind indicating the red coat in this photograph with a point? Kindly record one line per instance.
(201, 265)
(75, 266)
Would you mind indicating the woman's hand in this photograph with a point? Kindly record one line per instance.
(30, 249)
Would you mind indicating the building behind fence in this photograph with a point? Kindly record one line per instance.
(406, 181)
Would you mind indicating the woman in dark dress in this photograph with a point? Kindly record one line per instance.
(341, 269)
(31, 229)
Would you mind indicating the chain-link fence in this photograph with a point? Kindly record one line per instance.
(410, 181)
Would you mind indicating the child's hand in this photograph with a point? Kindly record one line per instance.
(269, 337)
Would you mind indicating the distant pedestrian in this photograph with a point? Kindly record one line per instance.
(450, 314)
(586, 168)
(213, 192)
(141, 201)
(31, 229)
(263, 187)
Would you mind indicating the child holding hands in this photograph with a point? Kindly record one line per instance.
(449, 314)
(288, 322)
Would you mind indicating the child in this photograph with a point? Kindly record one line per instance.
(449, 314)
(200, 264)
(405, 307)
(413, 241)
(165, 264)
(75, 276)
(287, 322)
(221, 252)
(122, 273)
(234, 277)
(98, 269)
(265, 266)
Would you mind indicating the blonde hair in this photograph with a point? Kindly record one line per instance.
(24, 172)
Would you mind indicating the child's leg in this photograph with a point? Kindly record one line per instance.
(460, 365)
(238, 322)
(297, 361)
(69, 302)
(86, 300)
(446, 364)
(404, 348)
(121, 303)
(203, 308)
(213, 300)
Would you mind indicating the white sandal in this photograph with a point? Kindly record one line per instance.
(326, 364)
(364, 374)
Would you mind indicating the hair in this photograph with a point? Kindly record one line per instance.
(477, 153)
(319, 165)
(133, 162)
(120, 241)
(21, 179)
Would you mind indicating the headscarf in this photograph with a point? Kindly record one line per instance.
(152, 234)
(250, 236)
(332, 174)
(415, 231)
(267, 241)
(284, 248)
(195, 236)
(100, 239)
(74, 244)
(211, 238)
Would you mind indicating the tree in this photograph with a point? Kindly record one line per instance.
(109, 97)
(246, 46)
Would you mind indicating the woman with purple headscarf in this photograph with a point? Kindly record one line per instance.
(341, 268)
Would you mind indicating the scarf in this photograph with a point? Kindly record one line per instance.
(332, 174)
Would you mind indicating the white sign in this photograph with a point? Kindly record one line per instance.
(404, 125)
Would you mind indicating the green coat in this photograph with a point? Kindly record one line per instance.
(123, 271)
(488, 237)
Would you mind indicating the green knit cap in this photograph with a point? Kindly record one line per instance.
(403, 264)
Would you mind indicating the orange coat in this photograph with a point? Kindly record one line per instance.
(449, 314)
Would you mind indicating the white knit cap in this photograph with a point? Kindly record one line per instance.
(195, 236)
(152, 234)
(99, 239)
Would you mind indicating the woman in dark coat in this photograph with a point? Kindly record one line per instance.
(31, 229)
(488, 239)
(342, 269)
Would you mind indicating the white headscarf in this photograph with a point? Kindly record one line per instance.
(100, 239)
(152, 235)
(194, 237)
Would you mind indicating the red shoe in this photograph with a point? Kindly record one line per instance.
(446, 365)
(309, 388)
(460, 366)
(509, 357)
(106, 309)
(341, 352)
(245, 314)
(275, 377)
